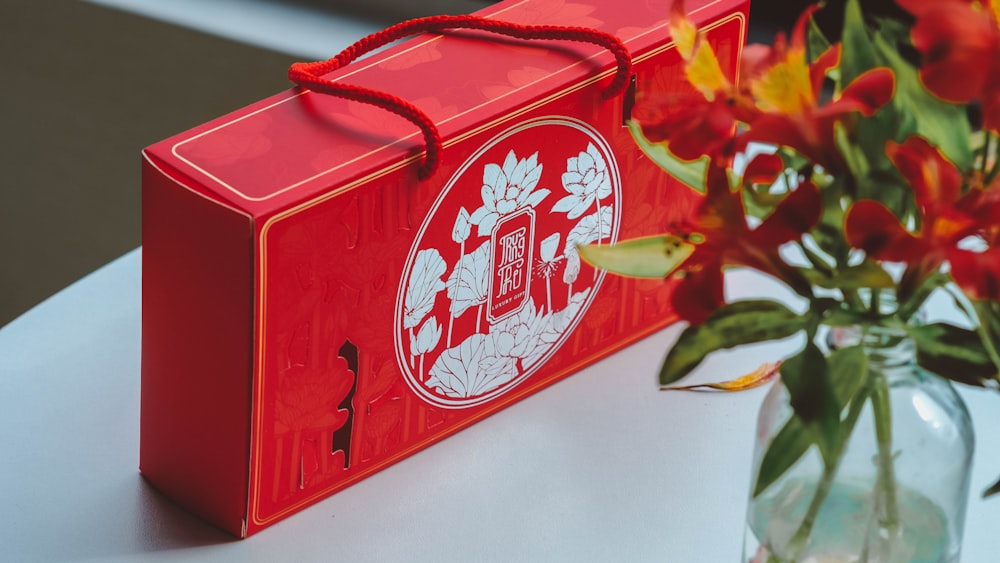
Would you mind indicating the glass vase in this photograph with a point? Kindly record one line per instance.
(897, 493)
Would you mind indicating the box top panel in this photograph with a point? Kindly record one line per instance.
(291, 146)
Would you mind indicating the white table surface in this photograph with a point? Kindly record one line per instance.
(599, 467)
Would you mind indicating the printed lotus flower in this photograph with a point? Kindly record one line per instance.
(508, 188)
(587, 181)
(470, 369)
(426, 339)
(463, 227)
(960, 43)
(947, 218)
(518, 334)
(425, 283)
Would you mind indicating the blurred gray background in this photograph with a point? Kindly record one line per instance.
(88, 84)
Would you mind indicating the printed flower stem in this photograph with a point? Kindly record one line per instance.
(479, 316)
(421, 376)
(458, 284)
(548, 292)
(600, 227)
(412, 355)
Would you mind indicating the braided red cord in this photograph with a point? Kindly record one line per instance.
(310, 75)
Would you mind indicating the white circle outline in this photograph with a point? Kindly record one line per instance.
(420, 390)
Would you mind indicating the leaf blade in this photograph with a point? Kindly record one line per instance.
(740, 322)
(647, 257)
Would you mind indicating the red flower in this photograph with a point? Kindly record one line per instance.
(946, 219)
(699, 121)
(778, 98)
(787, 90)
(960, 44)
(725, 239)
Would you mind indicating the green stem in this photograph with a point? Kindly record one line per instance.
(801, 537)
(987, 147)
(886, 483)
(981, 329)
(876, 303)
(816, 260)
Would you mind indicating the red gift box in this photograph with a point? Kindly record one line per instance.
(313, 311)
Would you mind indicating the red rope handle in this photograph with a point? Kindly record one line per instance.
(310, 75)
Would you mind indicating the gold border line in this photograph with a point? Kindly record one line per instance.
(219, 181)
(501, 402)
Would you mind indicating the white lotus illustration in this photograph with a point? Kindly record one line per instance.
(592, 228)
(507, 189)
(587, 180)
(470, 369)
(426, 339)
(468, 284)
(552, 327)
(548, 247)
(518, 334)
(572, 269)
(425, 283)
(462, 227)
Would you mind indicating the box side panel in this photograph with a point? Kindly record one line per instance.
(196, 349)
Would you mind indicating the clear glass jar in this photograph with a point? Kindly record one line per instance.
(902, 501)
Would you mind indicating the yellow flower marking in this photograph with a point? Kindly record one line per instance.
(785, 87)
(702, 67)
(994, 7)
(760, 376)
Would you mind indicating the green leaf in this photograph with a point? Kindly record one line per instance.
(693, 173)
(994, 489)
(848, 371)
(734, 324)
(816, 41)
(988, 315)
(647, 257)
(953, 353)
(944, 124)
(787, 446)
(857, 54)
(807, 378)
(868, 274)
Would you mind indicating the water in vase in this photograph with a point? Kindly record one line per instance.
(846, 528)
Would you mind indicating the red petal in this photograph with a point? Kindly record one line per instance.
(822, 65)
(935, 181)
(691, 124)
(796, 214)
(870, 91)
(763, 169)
(959, 43)
(982, 205)
(977, 273)
(699, 294)
(782, 130)
(721, 213)
(798, 39)
(870, 226)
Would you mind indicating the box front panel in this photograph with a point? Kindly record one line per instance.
(392, 314)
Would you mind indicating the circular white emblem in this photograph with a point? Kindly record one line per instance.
(493, 284)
